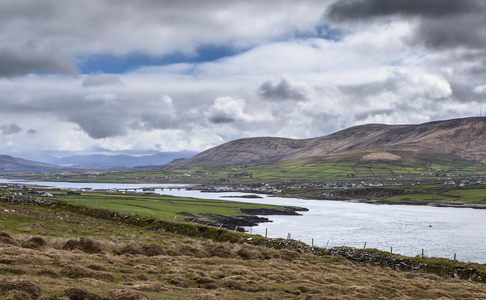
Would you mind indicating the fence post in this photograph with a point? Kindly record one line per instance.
(312, 242)
(364, 247)
(266, 231)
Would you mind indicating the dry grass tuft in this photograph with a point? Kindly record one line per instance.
(126, 294)
(96, 267)
(154, 286)
(76, 293)
(288, 255)
(132, 249)
(86, 245)
(205, 297)
(153, 249)
(246, 253)
(221, 250)
(26, 286)
(73, 271)
(35, 243)
(48, 272)
(77, 272)
(6, 238)
(189, 250)
(17, 295)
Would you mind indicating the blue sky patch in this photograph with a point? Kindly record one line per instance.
(117, 64)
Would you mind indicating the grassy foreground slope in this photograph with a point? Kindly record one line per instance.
(55, 253)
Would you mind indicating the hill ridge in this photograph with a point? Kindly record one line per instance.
(464, 138)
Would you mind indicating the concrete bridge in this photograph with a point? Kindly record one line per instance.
(151, 189)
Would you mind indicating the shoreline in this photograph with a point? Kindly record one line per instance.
(385, 202)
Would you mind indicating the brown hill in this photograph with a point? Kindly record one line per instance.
(459, 138)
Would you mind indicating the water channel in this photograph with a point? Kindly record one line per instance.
(404, 229)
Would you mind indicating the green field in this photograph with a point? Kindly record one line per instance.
(160, 206)
(213, 212)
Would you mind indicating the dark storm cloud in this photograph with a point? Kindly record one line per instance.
(32, 57)
(348, 10)
(101, 80)
(10, 129)
(461, 31)
(441, 23)
(154, 120)
(370, 89)
(221, 119)
(99, 126)
(284, 89)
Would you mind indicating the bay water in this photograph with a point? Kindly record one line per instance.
(403, 229)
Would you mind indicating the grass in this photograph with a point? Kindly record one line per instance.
(161, 206)
(186, 267)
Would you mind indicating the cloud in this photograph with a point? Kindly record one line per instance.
(402, 84)
(98, 80)
(10, 129)
(480, 89)
(155, 120)
(283, 89)
(227, 110)
(439, 23)
(153, 27)
(348, 10)
(32, 132)
(372, 114)
(20, 59)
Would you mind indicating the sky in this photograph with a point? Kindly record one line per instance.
(146, 76)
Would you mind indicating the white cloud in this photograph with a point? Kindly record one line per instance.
(480, 89)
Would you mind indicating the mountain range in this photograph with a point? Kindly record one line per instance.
(463, 139)
(113, 161)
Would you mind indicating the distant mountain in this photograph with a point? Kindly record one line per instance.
(458, 138)
(100, 161)
(10, 164)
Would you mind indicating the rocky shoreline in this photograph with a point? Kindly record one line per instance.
(250, 219)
